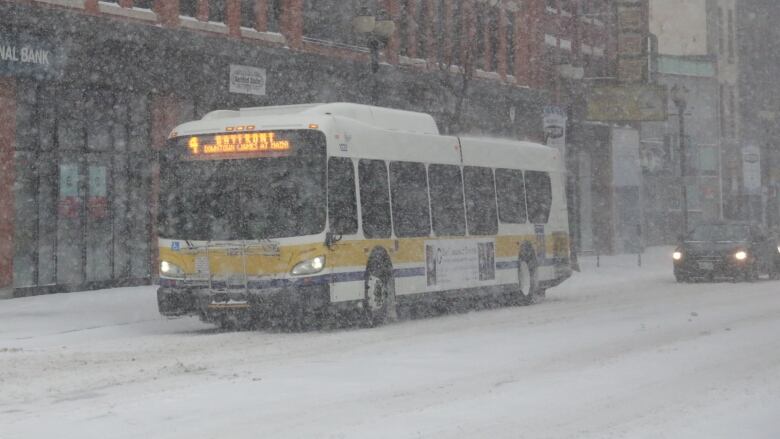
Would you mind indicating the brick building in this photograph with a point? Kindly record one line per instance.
(89, 90)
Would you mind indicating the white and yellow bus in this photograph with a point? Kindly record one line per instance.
(321, 206)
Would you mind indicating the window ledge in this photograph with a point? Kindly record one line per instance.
(271, 37)
(78, 4)
(115, 9)
(417, 62)
(487, 75)
(592, 21)
(208, 26)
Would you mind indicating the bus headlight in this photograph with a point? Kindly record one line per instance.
(168, 269)
(677, 255)
(741, 255)
(309, 266)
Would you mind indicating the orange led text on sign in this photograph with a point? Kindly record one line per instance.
(239, 143)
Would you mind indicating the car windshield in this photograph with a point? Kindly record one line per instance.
(720, 232)
(248, 198)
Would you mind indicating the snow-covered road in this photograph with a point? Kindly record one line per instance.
(617, 351)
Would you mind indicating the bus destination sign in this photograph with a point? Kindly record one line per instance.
(237, 146)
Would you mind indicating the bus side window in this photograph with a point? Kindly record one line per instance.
(480, 200)
(374, 198)
(342, 208)
(447, 210)
(539, 196)
(511, 196)
(409, 190)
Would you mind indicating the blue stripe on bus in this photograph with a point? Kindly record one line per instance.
(505, 265)
(409, 272)
(547, 262)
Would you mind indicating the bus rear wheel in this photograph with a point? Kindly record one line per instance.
(379, 300)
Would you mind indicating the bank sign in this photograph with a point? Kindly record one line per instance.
(247, 80)
(29, 56)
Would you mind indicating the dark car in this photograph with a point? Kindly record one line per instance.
(736, 250)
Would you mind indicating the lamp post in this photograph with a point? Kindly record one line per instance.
(377, 29)
(679, 99)
(769, 118)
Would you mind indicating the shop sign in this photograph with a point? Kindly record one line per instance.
(626, 103)
(554, 124)
(26, 55)
(247, 80)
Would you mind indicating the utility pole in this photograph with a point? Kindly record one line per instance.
(678, 97)
(769, 118)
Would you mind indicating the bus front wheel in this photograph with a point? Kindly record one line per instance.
(379, 300)
(526, 291)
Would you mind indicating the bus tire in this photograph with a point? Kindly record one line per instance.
(527, 288)
(379, 298)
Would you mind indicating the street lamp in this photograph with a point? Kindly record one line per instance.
(678, 94)
(377, 29)
(770, 205)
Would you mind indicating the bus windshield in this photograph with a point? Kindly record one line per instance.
(227, 198)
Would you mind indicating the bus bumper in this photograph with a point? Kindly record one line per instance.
(175, 302)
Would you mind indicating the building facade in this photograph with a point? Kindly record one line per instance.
(723, 44)
(698, 52)
(580, 50)
(757, 104)
(89, 91)
(661, 153)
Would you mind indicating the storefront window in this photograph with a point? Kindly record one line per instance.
(138, 130)
(330, 20)
(26, 218)
(82, 187)
(98, 111)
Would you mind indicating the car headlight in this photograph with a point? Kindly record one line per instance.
(740, 255)
(677, 255)
(168, 269)
(309, 266)
(778, 248)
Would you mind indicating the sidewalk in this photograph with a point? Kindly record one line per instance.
(6, 293)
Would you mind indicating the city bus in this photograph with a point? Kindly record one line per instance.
(321, 207)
